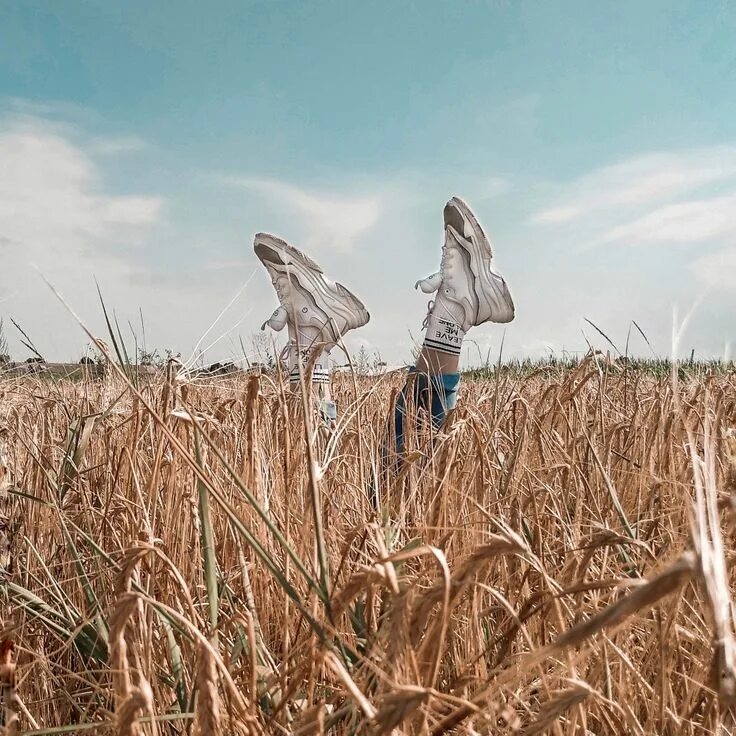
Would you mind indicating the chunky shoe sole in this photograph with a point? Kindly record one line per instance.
(495, 303)
(342, 310)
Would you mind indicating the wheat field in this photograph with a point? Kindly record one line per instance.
(202, 557)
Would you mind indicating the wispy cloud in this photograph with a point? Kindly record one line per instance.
(563, 213)
(639, 182)
(329, 220)
(684, 222)
(648, 233)
(679, 198)
(716, 269)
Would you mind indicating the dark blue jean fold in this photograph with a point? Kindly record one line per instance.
(431, 395)
(427, 398)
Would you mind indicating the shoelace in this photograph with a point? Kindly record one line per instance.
(430, 304)
(445, 256)
(430, 307)
(284, 354)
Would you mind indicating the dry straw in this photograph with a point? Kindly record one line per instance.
(197, 555)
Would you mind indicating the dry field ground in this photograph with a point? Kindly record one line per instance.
(556, 560)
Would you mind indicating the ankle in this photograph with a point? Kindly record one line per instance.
(436, 363)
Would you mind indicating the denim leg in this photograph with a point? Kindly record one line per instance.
(435, 394)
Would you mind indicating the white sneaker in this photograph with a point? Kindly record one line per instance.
(315, 309)
(469, 290)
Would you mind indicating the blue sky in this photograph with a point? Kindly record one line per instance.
(143, 144)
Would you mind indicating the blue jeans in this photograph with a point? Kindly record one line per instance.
(430, 395)
(435, 395)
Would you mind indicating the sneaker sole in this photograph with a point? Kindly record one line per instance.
(310, 278)
(496, 296)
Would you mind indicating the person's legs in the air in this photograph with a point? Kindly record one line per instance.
(317, 312)
(469, 292)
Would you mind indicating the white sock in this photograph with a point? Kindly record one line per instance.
(321, 372)
(303, 355)
(443, 334)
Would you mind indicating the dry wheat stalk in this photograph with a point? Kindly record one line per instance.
(537, 604)
(8, 704)
(208, 699)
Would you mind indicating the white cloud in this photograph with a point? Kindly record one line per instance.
(51, 197)
(682, 199)
(639, 182)
(716, 269)
(60, 207)
(557, 214)
(329, 220)
(683, 222)
(57, 214)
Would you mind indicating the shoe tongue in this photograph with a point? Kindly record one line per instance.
(267, 254)
(454, 218)
(464, 232)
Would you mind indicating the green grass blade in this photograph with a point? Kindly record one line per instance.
(209, 557)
